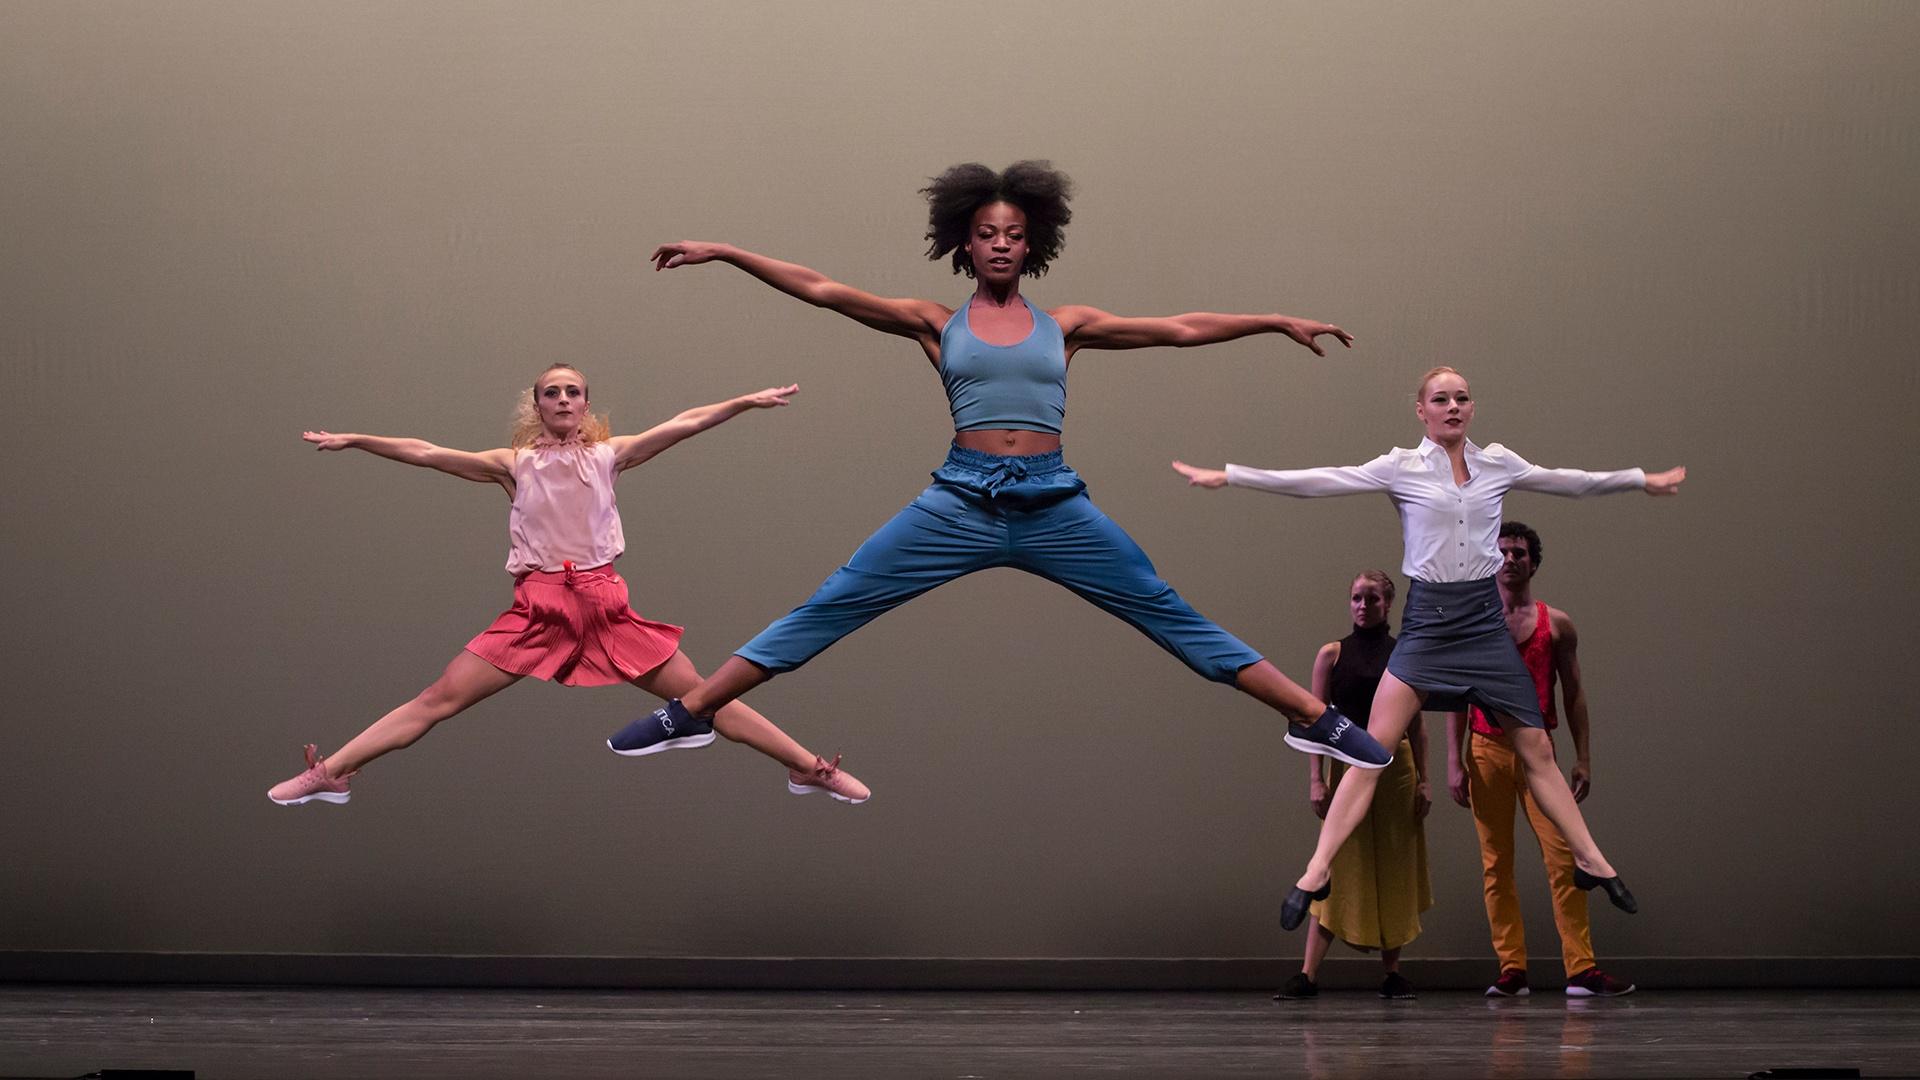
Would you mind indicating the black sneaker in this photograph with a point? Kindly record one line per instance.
(1396, 987)
(669, 727)
(1298, 988)
(1335, 736)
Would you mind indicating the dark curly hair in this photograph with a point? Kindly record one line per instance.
(1036, 187)
(1520, 529)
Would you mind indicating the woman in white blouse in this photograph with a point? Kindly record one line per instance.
(1454, 647)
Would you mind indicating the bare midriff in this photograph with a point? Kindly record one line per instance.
(1008, 441)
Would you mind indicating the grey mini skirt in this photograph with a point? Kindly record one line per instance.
(1454, 647)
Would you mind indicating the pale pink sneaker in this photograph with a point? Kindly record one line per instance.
(312, 784)
(830, 779)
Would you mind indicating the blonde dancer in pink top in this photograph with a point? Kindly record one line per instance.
(570, 621)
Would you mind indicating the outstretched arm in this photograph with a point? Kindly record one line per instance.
(484, 466)
(631, 450)
(1578, 483)
(1091, 328)
(1375, 475)
(917, 319)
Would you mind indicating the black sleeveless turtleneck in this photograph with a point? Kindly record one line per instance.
(1356, 675)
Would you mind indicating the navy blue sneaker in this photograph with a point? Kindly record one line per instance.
(1335, 736)
(669, 727)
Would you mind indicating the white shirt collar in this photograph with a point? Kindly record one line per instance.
(1428, 448)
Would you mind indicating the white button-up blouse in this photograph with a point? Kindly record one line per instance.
(1451, 531)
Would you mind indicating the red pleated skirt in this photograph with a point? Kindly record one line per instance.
(576, 628)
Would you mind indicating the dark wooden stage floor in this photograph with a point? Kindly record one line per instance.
(68, 1031)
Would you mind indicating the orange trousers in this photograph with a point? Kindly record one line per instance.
(1495, 785)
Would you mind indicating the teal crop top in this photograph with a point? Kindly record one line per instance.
(1021, 386)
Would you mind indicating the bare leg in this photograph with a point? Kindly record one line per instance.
(1268, 684)
(677, 677)
(735, 677)
(1319, 940)
(1394, 707)
(467, 680)
(1390, 960)
(1550, 793)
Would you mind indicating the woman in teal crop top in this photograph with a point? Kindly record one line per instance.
(1005, 497)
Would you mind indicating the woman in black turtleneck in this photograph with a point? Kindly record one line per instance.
(1380, 884)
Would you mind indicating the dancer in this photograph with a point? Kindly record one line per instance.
(1485, 775)
(570, 621)
(1380, 884)
(1004, 496)
(1454, 648)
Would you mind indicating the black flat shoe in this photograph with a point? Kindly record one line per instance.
(1616, 889)
(1293, 911)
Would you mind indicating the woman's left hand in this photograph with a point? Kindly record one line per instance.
(1422, 800)
(1666, 483)
(1305, 330)
(1206, 478)
(772, 396)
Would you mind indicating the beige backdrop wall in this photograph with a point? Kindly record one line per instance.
(1652, 234)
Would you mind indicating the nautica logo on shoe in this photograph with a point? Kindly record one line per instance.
(1340, 729)
(666, 719)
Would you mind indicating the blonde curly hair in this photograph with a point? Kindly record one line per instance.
(526, 414)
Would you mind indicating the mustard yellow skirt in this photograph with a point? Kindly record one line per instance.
(1380, 883)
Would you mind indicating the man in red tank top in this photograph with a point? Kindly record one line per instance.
(1484, 773)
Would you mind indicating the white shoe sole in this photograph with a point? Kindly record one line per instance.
(808, 789)
(337, 797)
(1307, 746)
(689, 742)
(1522, 992)
(1581, 991)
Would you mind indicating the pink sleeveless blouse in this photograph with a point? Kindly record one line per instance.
(563, 507)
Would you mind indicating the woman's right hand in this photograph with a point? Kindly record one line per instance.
(685, 253)
(327, 440)
(1206, 478)
(1320, 796)
(771, 397)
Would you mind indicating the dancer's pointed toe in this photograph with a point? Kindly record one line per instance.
(1293, 910)
(1617, 891)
